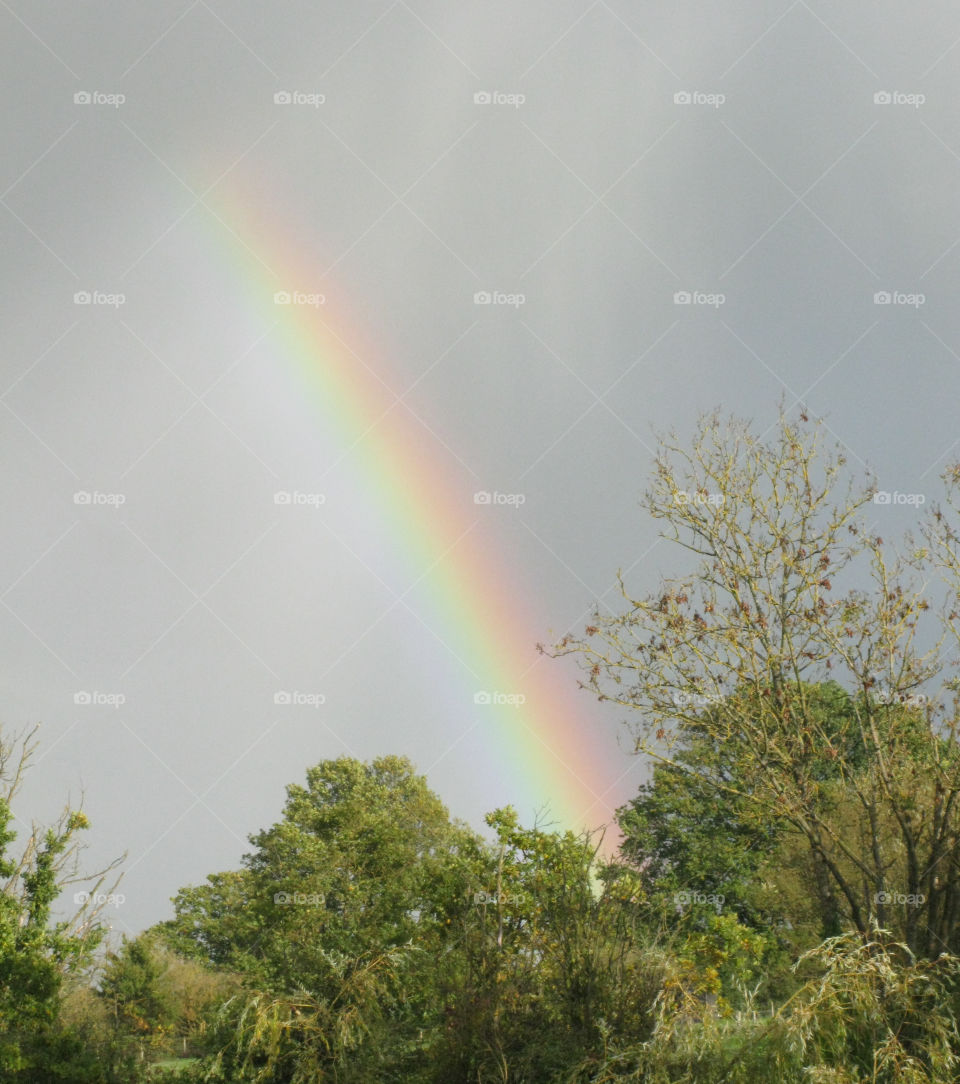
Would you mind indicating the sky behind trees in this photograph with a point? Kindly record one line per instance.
(384, 259)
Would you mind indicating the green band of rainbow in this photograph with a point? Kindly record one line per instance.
(547, 746)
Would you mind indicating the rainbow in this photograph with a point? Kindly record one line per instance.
(546, 747)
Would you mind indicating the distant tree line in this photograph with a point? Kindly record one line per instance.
(784, 904)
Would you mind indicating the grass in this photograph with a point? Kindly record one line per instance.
(174, 1063)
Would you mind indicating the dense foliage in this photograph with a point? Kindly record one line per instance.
(784, 904)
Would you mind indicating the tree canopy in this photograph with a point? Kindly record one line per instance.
(784, 904)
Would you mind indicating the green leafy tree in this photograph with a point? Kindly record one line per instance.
(36, 953)
(791, 590)
(864, 1016)
(548, 952)
(132, 987)
(332, 921)
(700, 848)
(381, 941)
(215, 922)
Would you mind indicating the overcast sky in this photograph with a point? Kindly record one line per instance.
(666, 208)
